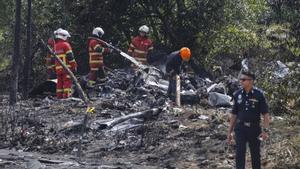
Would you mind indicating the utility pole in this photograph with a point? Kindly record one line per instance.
(28, 56)
(16, 57)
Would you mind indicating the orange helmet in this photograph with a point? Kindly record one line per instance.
(185, 53)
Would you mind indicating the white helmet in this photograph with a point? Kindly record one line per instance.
(144, 28)
(61, 34)
(98, 32)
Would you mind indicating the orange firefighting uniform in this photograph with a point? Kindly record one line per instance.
(64, 83)
(139, 48)
(50, 61)
(97, 52)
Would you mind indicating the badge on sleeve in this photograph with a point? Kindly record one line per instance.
(239, 99)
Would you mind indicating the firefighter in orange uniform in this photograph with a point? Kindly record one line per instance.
(63, 50)
(141, 45)
(97, 52)
(50, 61)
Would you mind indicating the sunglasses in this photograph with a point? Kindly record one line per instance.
(244, 79)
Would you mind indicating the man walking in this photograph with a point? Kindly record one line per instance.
(249, 105)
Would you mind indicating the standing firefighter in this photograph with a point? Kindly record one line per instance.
(50, 61)
(141, 45)
(173, 67)
(97, 51)
(63, 50)
(249, 105)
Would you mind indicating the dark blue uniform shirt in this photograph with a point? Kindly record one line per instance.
(174, 63)
(249, 106)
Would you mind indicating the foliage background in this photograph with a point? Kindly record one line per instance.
(215, 30)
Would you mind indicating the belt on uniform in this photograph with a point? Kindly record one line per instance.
(248, 124)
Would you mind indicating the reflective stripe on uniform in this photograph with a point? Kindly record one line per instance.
(69, 51)
(99, 59)
(94, 69)
(140, 51)
(62, 58)
(59, 90)
(58, 67)
(131, 45)
(67, 89)
(141, 59)
(61, 67)
(96, 61)
(95, 53)
(98, 45)
(151, 48)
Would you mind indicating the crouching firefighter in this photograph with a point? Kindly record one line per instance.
(97, 51)
(63, 50)
(173, 67)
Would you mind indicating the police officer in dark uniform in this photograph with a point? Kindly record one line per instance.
(249, 105)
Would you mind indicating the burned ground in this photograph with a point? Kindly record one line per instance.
(44, 132)
(191, 137)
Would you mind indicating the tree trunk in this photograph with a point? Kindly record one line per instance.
(28, 58)
(16, 57)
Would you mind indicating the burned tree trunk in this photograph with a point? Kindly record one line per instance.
(28, 58)
(16, 56)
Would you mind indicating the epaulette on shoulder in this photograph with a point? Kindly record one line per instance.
(258, 90)
(237, 92)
